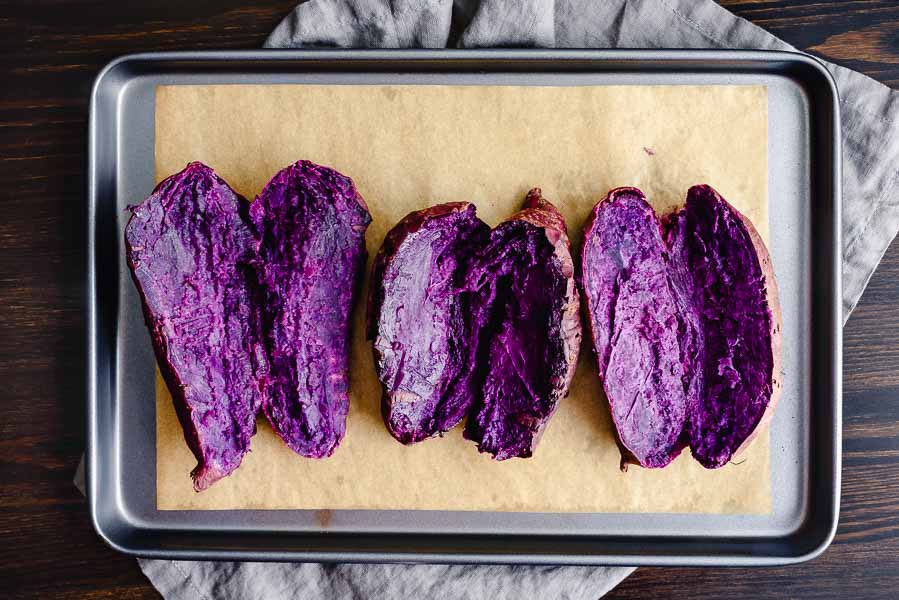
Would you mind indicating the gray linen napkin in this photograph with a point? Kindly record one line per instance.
(870, 112)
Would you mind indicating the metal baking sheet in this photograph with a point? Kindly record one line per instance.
(804, 205)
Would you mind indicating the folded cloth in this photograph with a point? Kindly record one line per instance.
(870, 112)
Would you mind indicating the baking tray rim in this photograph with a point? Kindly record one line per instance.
(600, 60)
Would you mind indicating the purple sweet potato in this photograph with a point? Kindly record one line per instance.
(311, 223)
(424, 343)
(189, 246)
(685, 323)
(636, 325)
(526, 308)
(733, 295)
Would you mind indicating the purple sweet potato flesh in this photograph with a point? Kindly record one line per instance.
(685, 325)
(189, 246)
(311, 226)
(526, 308)
(634, 318)
(424, 343)
(729, 296)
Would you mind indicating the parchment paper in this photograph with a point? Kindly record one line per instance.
(408, 147)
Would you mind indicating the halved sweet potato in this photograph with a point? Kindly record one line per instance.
(311, 225)
(733, 295)
(636, 326)
(526, 307)
(189, 246)
(421, 327)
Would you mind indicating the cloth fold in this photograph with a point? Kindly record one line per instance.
(870, 113)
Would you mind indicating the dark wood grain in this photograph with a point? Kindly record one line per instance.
(49, 52)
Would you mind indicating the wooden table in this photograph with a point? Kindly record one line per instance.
(51, 50)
